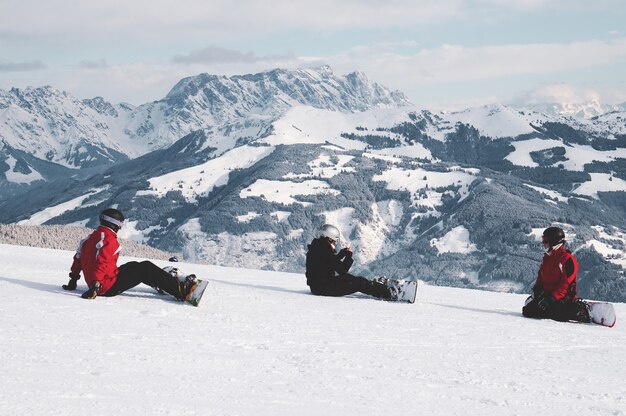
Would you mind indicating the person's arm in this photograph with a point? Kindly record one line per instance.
(343, 261)
(568, 275)
(74, 270)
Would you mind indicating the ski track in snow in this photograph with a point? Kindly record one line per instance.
(260, 344)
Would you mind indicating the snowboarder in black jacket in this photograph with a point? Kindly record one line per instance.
(327, 272)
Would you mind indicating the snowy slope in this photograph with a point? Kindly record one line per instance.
(260, 344)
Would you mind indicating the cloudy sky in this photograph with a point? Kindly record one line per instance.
(439, 53)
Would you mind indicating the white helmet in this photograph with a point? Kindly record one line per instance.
(330, 231)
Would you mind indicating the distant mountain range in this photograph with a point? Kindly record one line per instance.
(242, 170)
(588, 109)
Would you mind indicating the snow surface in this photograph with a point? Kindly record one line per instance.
(423, 184)
(130, 232)
(457, 240)
(577, 155)
(495, 120)
(284, 192)
(260, 344)
(554, 195)
(415, 151)
(247, 217)
(200, 180)
(280, 216)
(325, 166)
(600, 182)
(51, 212)
(611, 245)
(18, 177)
(304, 124)
(246, 250)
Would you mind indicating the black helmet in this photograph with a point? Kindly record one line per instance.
(112, 218)
(553, 236)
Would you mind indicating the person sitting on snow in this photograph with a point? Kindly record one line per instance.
(555, 291)
(327, 271)
(97, 258)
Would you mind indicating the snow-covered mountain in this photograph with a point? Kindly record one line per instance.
(588, 109)
(260, 343)
(54, 126)
(236, 109)
(451, 197)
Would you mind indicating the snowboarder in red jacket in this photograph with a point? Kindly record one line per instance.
(555, 293)
(97, 258)
(327, 272)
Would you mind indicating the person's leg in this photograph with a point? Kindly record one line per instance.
(564, 311)
(531, 310)
(558, 311)
(128, 277)
(133, 273)
(338, 286)
(374, 288)
(348, 284)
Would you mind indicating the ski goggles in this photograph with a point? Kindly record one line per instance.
(112, 220)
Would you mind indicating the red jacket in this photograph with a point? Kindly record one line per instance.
(97, 258)
(558, 275)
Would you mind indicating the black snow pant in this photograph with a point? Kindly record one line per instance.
(347, 284)
(133, 273)
(558, 311)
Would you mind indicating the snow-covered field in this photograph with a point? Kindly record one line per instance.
(260, 344)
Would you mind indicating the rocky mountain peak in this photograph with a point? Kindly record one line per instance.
(280, 88)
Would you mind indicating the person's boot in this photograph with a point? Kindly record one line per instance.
(185, 284)
(187, 287)
(582, 314)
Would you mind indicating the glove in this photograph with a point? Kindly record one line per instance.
(93, 292)
(345, 252)
(545, 303)
(71, 285)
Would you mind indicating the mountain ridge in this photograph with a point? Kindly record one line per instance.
(415, 192)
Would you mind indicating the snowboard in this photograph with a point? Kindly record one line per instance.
(197, 293)
(405, 290)
(601, 313)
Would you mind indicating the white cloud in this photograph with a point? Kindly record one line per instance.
(162, 18)
(561, 93)
(93, 64)
(399, 65)
(147, 46)
(457, 63)
(570, 94)
(7, 66)
(217, 55)
(135, 83)
(220, 20)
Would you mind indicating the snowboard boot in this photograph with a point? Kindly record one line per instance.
(394, 293)
(402, 290)
(187, 287)
(186, 284)
(582, 311)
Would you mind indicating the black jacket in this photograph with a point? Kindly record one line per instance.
(322, 264)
